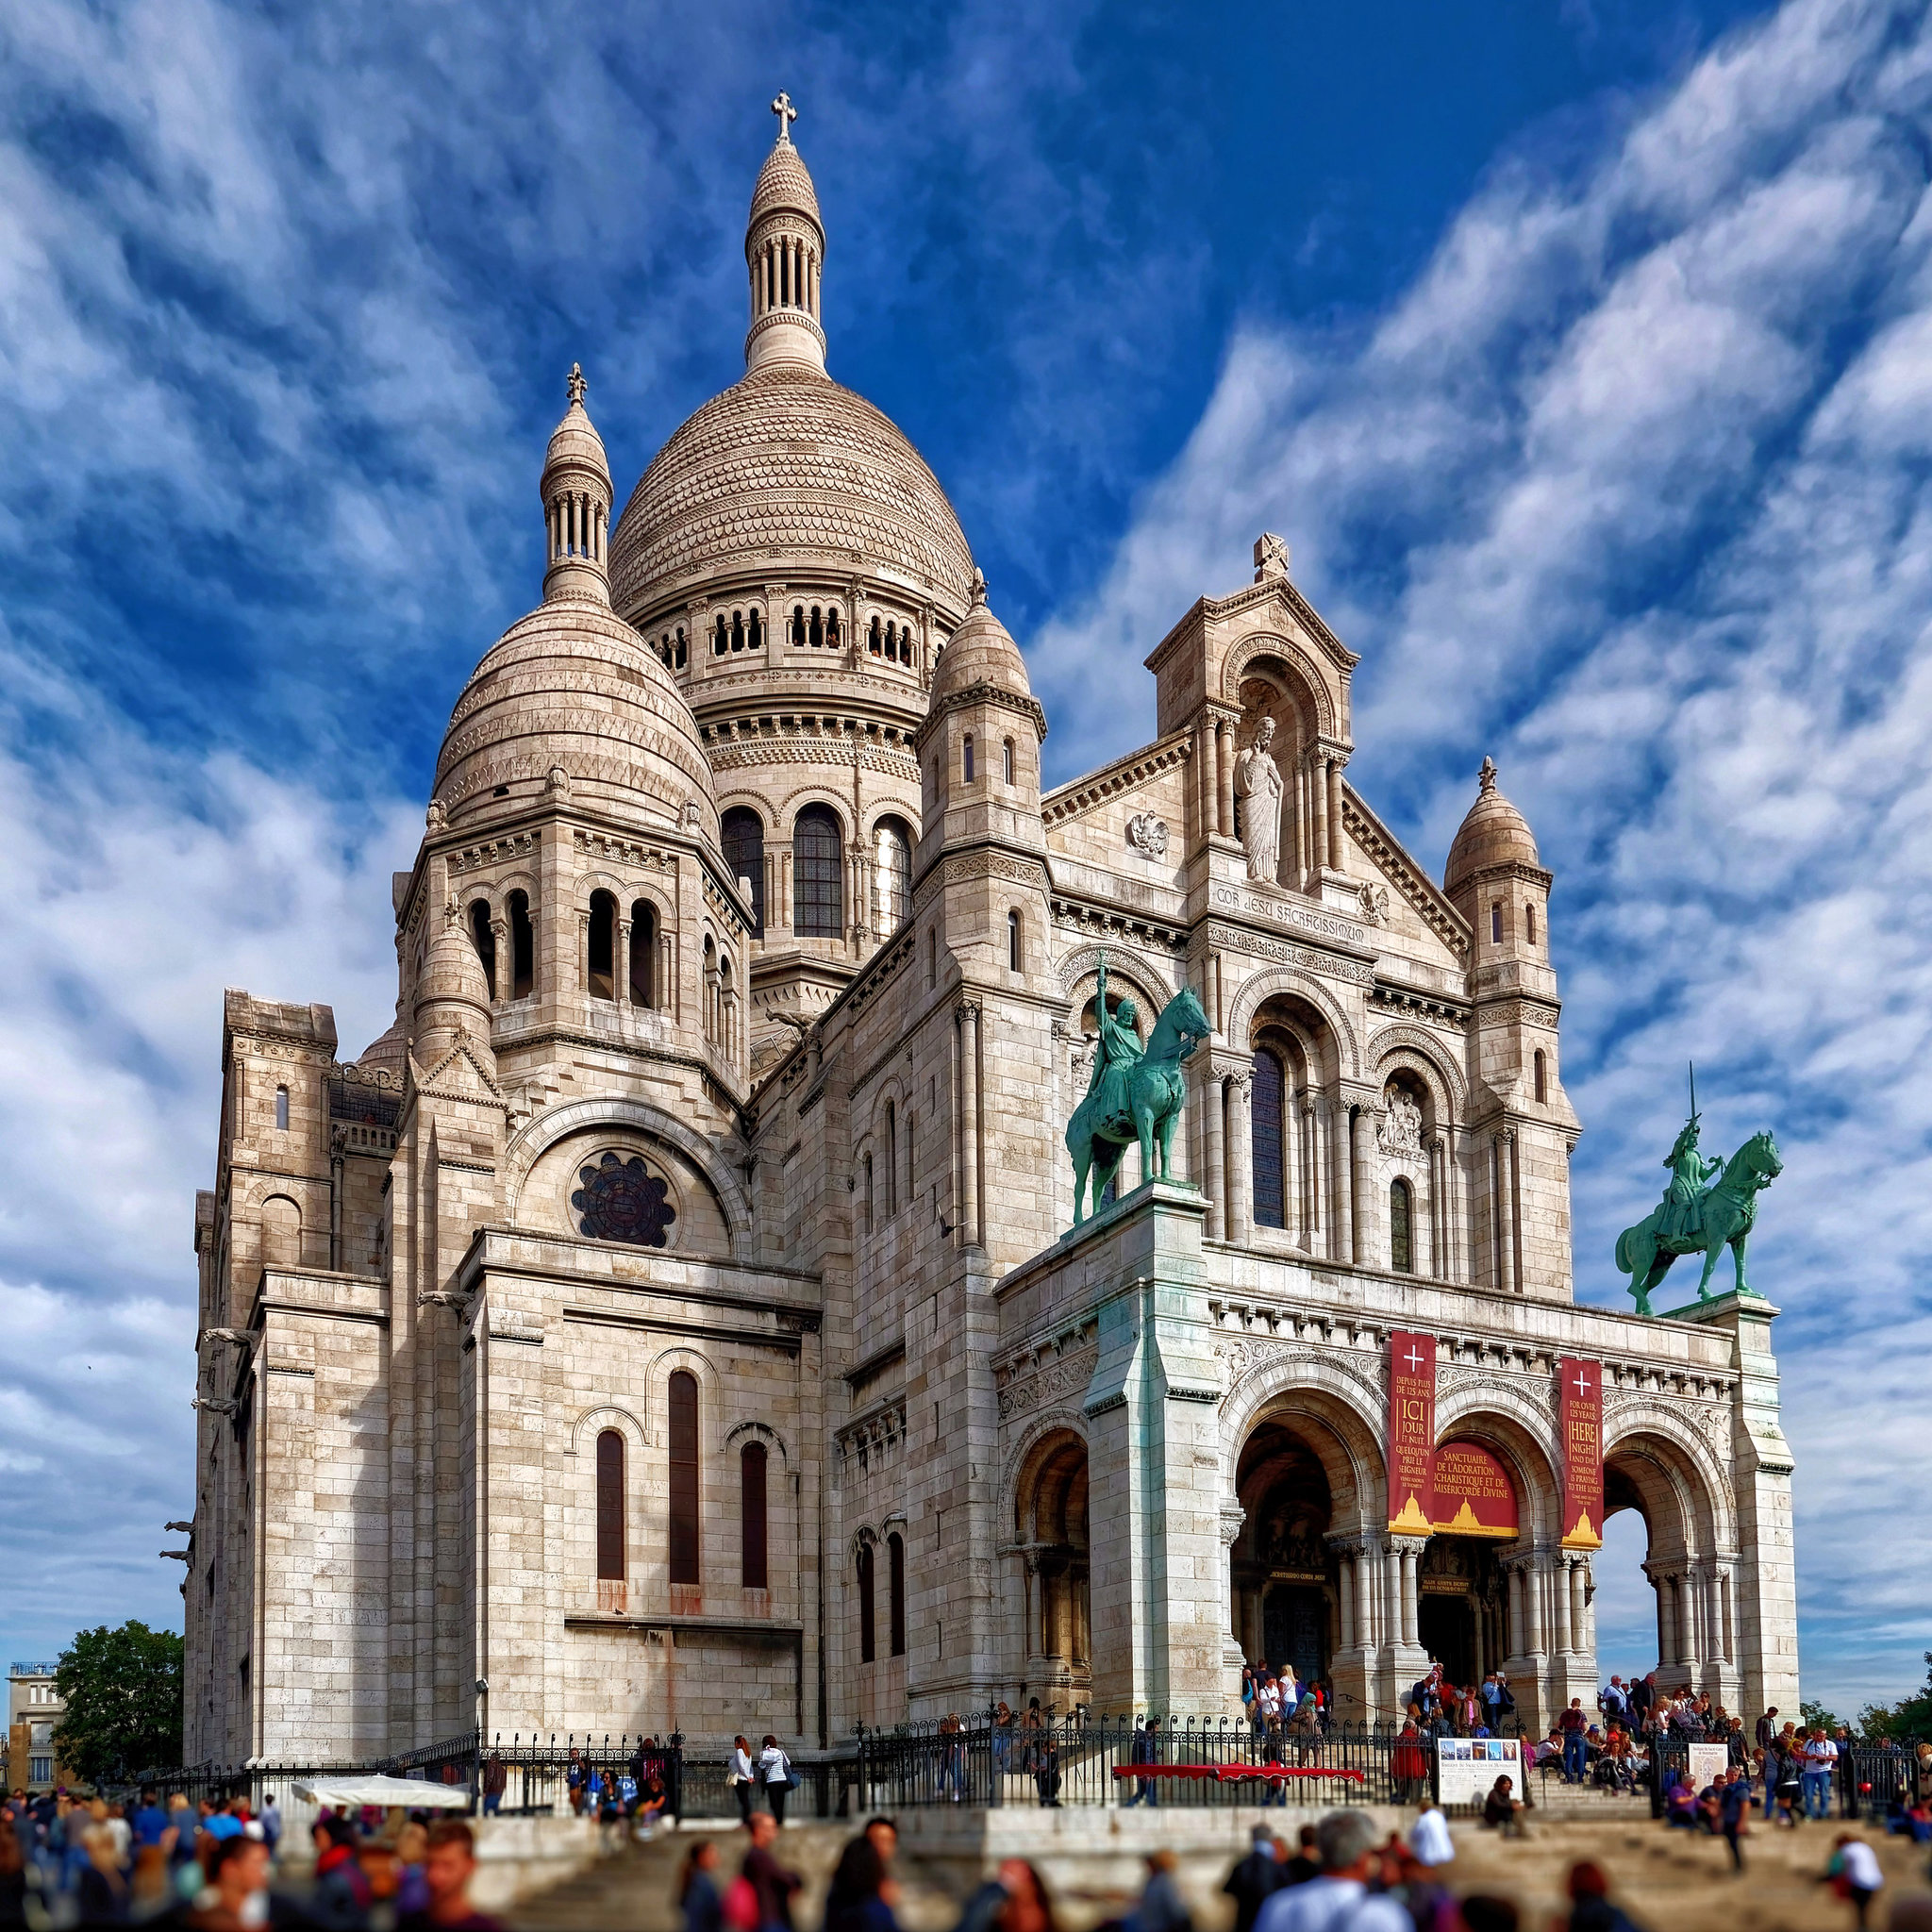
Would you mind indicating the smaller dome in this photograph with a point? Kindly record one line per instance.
(453, 974)
(981, 651)
(784, 186)
(1495, 833)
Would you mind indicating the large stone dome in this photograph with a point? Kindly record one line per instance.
(573, 689)
(787, 467)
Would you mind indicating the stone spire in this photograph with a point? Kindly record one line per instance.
(576, 504)
(784, 250)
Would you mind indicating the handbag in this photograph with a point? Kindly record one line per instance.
(741, 1909)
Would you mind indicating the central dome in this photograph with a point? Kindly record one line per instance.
(788, 466)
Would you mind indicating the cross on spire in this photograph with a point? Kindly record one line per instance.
(786, 114)
(577, 382)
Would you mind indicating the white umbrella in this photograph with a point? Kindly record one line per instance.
(411, 1793)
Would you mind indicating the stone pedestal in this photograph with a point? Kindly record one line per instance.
(1757, 1643)
(1159, 1565)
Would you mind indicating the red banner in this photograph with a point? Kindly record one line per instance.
(1411, 1431)
(1473, 1494)
(1582, 1425)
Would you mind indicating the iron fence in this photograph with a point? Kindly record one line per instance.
(1082, 1760)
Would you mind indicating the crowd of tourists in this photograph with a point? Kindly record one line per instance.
(215, 1866)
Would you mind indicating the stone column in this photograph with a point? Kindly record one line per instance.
(1232, 1654)
(506, 963)
(1411, 1607)
(1341, 1132)
(1308, 1181)
(1580, 1603)
(1223, 775)
(1213, 1091)
(1334, 836)
(1371, 1215)
(968, 1016)
(1240, 1156)
(619, 962)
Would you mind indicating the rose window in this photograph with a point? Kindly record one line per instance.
(619, 1200)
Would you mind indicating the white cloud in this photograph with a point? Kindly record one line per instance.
(1632, 488)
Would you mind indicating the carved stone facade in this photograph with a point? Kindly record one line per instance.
(688, 1260)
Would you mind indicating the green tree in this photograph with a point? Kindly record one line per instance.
(123, 1692)
(1912, 1717)
(1814, 1717)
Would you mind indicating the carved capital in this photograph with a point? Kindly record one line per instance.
(1232, 1517)
(967, 1012)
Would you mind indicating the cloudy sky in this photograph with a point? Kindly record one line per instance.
(1582, 354)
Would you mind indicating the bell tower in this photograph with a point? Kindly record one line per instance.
(785, 253)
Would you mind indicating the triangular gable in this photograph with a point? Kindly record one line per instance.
(1408, 878)
(457, 1076)
(1156, 766)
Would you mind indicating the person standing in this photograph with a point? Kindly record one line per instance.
(449, 1865)
(741, 1777)
(495, 1782)
(1576, 1742)
(1339, 1897)
(1854, 1873)
(775, 1775)
(772, 1885)
(1255, 1878)
(1147, 1749)
(698, 1897)
(1733, 1804)
(1820, 1761)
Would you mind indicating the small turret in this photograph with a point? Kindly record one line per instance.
(785, 252)
(1498, 884)
(576, 504)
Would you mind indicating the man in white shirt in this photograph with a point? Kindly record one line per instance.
(1339, 1900)
(1820, 1761)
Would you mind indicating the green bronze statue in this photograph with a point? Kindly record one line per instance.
(1131, 1095)
(1697, 1216)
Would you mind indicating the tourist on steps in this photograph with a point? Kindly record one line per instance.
(1339, 1900)
(1255, 1878)
(1015, 1901)
(775, 1776)
(740, 1775)
(698, 1897)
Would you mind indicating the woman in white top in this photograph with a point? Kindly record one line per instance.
(740, 1776)
(774, 1773)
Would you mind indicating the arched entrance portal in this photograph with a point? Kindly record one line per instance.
(1052, 1527)
(1461, 1612)
(1285, 1577)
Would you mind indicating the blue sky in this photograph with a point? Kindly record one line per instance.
(1583, 353)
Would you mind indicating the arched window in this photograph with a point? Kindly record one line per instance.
(281, 1232)
(282, 1108)
(721, 637)
(868, 1636)
(932, 959)
(523, 948)
(743, 833)
(1529, 922)
(1267, 1095)
(871, 1214)
(738, 630)
(1543, 1078)
(817, 632)
(891, 873)
(609, 1506)
(644, 953)
(966, 760)
(483, 936)
(684, 1477)
(755, 632)
(751, 1509)
(875, 640)
(1401, 1227)
(1012, 942)
(832, 626)
(1008, 760)
(798, 623)
(602, 948)
(681, 651)
(1496, 923)
(895, 1559)
(817, 881)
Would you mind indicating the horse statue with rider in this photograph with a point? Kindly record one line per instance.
(1133, 1094)
(1709, 1204)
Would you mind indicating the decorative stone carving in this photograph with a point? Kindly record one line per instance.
(1401, 1130)
(1147, 835)
(1374, 902)
(1271, 557)
(1070, 1375)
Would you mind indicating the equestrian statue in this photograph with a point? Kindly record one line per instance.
(1132, 1094)
(1710, 1203)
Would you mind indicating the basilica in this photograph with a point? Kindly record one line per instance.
(678, 1319)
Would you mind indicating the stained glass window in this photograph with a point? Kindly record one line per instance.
(1401, 1228)
(1266, 1096)
(619, 1200)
